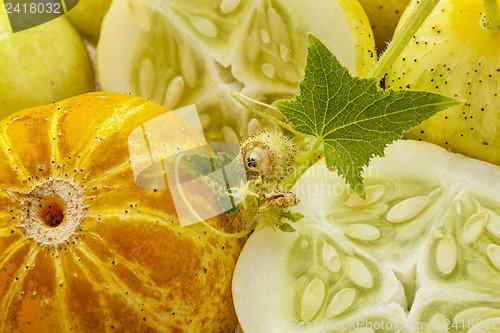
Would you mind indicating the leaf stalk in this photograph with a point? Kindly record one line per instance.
(307, 159)
(239, 98)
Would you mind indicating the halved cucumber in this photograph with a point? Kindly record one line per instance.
(430, 221)
(196, 52)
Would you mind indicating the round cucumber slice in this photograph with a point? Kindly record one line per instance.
(430, 221)
(197, 52)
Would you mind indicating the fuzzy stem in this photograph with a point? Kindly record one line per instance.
(264, 115)
(491, 17)
(412, 24)
(307, 160)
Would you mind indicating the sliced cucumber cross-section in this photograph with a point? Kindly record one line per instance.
(421, 251)
(178, 53)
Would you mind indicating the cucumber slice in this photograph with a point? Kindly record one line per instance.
(196, 52)
(430, 222)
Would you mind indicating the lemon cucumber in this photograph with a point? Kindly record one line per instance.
(41, 65)
(455, 54)
(87, 17)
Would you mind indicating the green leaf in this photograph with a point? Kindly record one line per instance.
(221, 171)
(354, 118)
(285, 227)
(294, 217)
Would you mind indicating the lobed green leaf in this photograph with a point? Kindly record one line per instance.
(352, 116)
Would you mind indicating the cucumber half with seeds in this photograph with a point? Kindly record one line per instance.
(179, 53)
(424, 241)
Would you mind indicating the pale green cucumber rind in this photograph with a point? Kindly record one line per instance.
(117, 23)
(42, 65)
(259, 295)
(87, 17)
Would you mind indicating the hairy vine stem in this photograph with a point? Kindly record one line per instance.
(412, 24)
(307, 159)
(239, 98)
